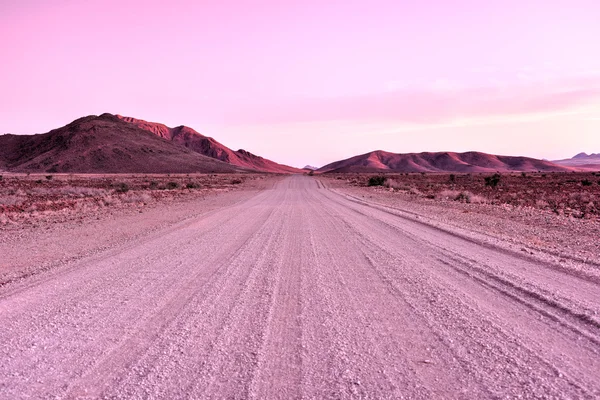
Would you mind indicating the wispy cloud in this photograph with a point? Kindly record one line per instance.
(439, 102)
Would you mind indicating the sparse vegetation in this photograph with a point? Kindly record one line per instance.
(172, 185)
(236, 181)
(560, 193)
(376, 181)
(49, 177)
(122, 187)
(492, 181)
(25, 199)
(586, 182)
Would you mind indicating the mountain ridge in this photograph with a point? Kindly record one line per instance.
(210, 147)
(472, 161)
(102, 144)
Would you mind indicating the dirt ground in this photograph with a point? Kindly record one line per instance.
(569, 194)
(300, 287)
(511, 214)
(46, 220)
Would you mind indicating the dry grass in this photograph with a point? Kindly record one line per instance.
(26, 197)
(570, 194)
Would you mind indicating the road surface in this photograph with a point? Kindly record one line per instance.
(301, 292)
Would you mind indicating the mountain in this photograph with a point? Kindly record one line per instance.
(381, 161)
(102, 144)
(310, 168)
(582, 161)
(208, 146)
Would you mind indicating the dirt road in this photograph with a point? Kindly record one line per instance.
(301, 292)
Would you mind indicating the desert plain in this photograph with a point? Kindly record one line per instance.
(300, 286)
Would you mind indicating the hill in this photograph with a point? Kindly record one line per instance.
(381, 161)
(582, 161)
(208, 146)
(102, 144)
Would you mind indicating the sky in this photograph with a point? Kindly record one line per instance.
(312, 82)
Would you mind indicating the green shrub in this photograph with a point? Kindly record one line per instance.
(376, 181)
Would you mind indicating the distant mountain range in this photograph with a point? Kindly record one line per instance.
(582, 161)
(382, 161)
(111, 144)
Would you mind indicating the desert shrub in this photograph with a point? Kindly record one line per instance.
(192, 185)
(463, 197)
(492, 181)
(524, 175)
(586, 182)
(38, 181)
(414, 190)
(311, 172)
(172, 185)
(1, 177)
(122, 187)
(468, 197)
(236, 181)
(48, 177)
(542, 204)
(448, 194)
(452, 178)
(376, 181)
(137, 198)
(153, 185)
(391, 183)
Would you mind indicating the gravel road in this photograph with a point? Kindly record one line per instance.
(302, 292)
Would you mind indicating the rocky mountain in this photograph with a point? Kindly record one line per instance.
(103, 144)
(208, 146)
(382, 161)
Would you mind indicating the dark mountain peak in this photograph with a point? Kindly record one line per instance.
(248, 154)
(580, 155)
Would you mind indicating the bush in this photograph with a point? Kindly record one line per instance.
(236, 181)
(492, 181)
(452, 178)
(586, 182)
(153, 184)
(172, 185)
(122, 188)
(192, 185)
(311, 172)
(48, 177)
(376, 181)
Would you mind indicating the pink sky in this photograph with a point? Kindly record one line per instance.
(308, 83)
